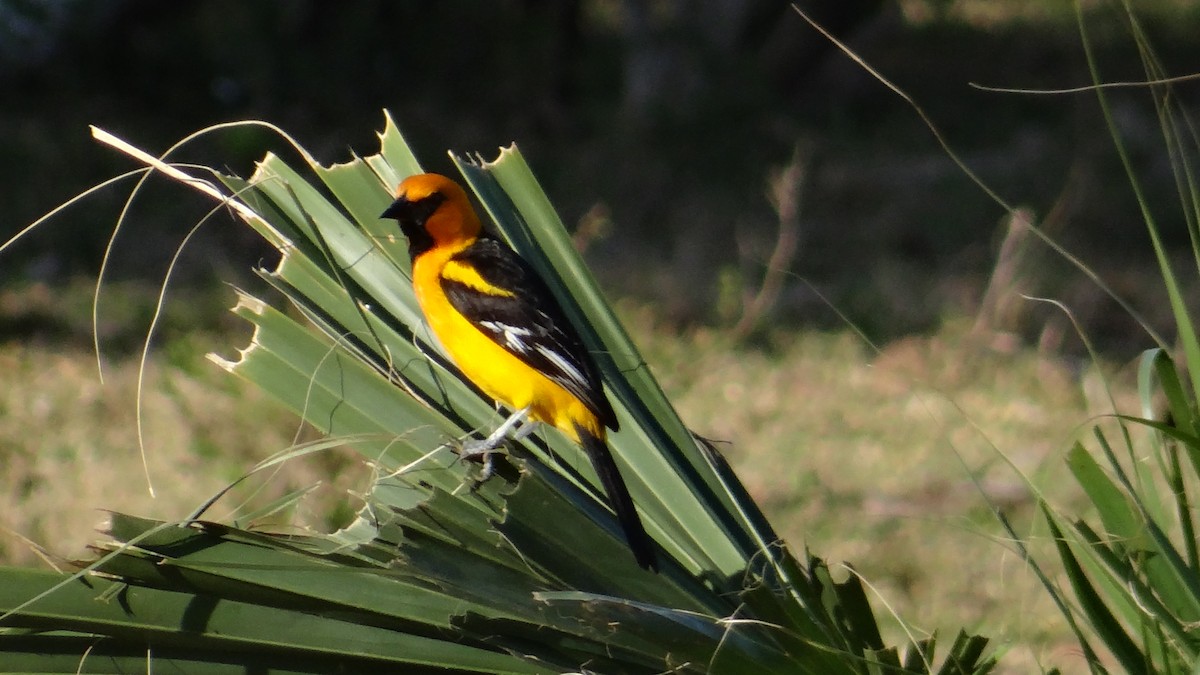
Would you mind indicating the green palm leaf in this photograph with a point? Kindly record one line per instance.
(449, 568)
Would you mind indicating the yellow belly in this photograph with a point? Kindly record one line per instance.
(496, 371)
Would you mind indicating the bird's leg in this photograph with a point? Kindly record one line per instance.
(483, 448)
(523, 430)
(475, 447)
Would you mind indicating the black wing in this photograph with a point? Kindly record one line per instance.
(528, 322)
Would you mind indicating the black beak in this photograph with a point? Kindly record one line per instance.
(412, 214)
(397, 209)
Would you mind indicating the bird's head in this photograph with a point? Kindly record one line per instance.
(432, 210)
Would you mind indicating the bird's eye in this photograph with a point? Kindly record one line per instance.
(414, 211)
(421, 209)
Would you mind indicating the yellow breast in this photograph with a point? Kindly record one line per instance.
(495, 370)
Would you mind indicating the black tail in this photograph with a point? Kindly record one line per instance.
(620, 499)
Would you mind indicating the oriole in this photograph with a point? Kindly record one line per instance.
(502, 327)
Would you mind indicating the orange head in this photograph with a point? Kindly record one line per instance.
(432, 210)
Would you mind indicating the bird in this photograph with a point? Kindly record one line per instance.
(501, 325)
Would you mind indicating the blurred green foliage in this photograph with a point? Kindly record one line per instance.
(663, 120)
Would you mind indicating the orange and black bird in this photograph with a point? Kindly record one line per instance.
(503, 328)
